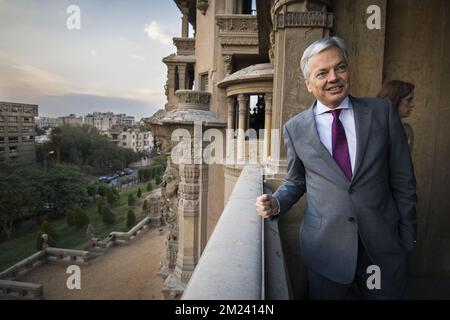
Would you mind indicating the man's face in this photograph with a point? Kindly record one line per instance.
(328, 77)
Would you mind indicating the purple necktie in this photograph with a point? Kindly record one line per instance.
(340, 146)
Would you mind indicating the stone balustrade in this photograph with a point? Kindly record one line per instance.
(126, 237)
(67, 256)
(21, 290)
(24, 266)
(231, 266)
(185, 46)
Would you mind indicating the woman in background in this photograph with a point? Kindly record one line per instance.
(401, 94)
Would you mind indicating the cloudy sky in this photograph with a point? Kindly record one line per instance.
(113, 63)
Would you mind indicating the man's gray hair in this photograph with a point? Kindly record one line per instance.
(319, 46)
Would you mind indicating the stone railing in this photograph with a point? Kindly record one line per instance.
(67, 256)
(127, 237)
(231, 266)
(24, 266)
(11, 289)
(21, 290)
(185, 46)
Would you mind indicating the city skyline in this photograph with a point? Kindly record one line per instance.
(113, 63)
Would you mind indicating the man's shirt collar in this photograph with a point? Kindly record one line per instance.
(320, 108)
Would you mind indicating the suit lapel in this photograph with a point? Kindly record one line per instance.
(314, 140)
(363, 121)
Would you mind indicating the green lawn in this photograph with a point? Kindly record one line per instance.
(24, 243)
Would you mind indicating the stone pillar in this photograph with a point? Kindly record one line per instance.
(182, 76)
(243, 110)
(296, 24)
(188, 214)
(227, 59)
(170, 85)
(230, 6)
(185, 21)
(267, 124)
(231, 112)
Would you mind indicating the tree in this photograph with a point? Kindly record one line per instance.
(64, 186)
(131, 200)
(158, 180)
(100, 205)
(139, 193)
(149, 186)
(131, 219)
(112, 196)
(21, 196)
(70, 216)
(102, 189)
(108, 216)
(92, 191)
(77, 217)
(86, 147)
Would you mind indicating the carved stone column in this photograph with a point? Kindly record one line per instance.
(188, 214)
(243, 110)
(185, 21)
(296, 24)
(267, 124)
(182, 76)
(227, 60)
(231, 101)
(171, 84)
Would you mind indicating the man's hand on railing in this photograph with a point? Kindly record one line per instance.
(266, 206)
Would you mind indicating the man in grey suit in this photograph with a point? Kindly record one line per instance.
(351, 156)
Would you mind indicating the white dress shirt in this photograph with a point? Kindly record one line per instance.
(324, 120)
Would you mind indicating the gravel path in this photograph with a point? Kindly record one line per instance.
(125, 272)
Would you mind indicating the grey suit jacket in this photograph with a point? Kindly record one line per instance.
(379, 202)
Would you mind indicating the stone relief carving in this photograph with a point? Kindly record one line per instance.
(202, 5)
(237, 24)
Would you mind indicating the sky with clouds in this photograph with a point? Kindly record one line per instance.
(113, 63)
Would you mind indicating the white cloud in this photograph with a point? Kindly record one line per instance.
(155, 32)
(22, 79)
(93, 53)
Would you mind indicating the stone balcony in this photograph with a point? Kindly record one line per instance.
(185, 46)
(238, 33)
(243, 258)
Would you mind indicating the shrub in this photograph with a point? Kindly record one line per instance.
(139, 193)
(100, 205)
(131, 219)
(70, 216)
(149, 186)
(131, 200)
(108, 216)
(81, 218)
(158, 180)
(103, 189)
(76, 217)
(112, 196)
